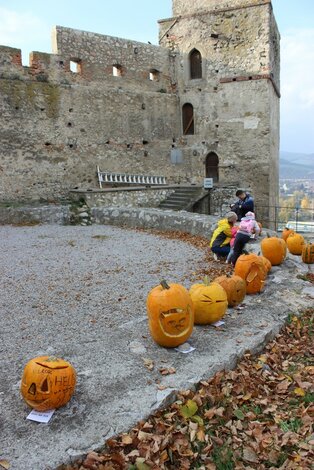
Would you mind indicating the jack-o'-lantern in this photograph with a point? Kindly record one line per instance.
(295, 243)
(274, 249)
(170, 314)
(308, 253)
(235, 288)
(210, 302)
(251, 268)
(267, 263)
(47, 383)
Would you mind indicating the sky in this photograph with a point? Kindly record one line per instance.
(27, 25)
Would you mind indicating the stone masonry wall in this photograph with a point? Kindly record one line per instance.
(68, 113)
(149, 197)
(236, 102)
(183, 7)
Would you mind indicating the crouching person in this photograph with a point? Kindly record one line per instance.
(248, 226)
(220, 241)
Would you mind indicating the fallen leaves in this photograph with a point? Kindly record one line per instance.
(148, 363)
(167, 371)
(4, 464)
(258, 416)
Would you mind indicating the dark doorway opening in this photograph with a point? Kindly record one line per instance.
(211, 164)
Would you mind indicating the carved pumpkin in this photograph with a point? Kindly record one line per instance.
(308, 253)
(47, 383)
(251, 268)
(273, 249)
(286, 232)
(235, 288)
(210, 302)
(267, 263)
(170, 314)
(295, 243)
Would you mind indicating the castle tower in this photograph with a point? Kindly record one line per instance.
(226, 55)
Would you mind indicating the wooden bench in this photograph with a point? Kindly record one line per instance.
(123, 178)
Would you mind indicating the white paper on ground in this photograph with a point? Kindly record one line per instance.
(40, 416)
(185, 348)
(218, 323)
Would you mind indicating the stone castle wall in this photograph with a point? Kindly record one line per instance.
(114, 103)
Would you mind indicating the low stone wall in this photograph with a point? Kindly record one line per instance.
(164, 220)
(126, 197)
(45, 214)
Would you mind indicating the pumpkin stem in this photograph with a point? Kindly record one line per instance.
(164, 284)
(245, 252)
(206, 281)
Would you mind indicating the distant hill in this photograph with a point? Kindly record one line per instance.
(296, 165)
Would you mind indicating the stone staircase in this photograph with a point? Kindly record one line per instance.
(182, 198)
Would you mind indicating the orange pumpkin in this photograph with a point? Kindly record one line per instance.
(286, 232)
(235, 288)
(273, 249)
(251, 268)
(267, 263)
(308, 253)
(47, 383)
(295, 243)
(170, 314)
(260, 227)
(210, 302)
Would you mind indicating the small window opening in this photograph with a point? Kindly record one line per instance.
(75, 66)
(188, 119)
(154, 75)
(69, 124)
(117, 70)
(195, 64)
(214, 35)
(145, 142)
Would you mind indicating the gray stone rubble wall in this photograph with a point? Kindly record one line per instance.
(59, 125)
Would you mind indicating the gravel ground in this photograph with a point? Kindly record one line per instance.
(79, 293)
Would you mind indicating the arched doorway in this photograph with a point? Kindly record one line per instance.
(211, 166)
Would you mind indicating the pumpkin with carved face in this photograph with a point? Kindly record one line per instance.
(47, 383)
(170, 314)
(252, 269)
(210, 302)
(235, 288)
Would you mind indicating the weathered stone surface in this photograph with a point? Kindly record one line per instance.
(58, 125)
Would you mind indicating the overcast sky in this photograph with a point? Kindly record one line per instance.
(27, 25)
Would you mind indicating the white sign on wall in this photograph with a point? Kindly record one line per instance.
(208, 183)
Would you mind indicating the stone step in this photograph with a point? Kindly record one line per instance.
(181, 198)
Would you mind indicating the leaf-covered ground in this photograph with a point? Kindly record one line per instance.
(258, 416)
